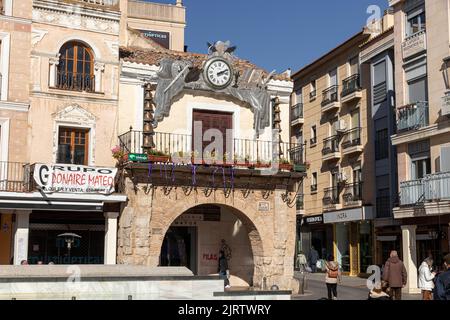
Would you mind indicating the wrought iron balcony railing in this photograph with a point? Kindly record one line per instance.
(243, 150)
(432, 188)
(413, 116)
(14, 176)
(331, 196)
(329, 95)
(75, 81)
(352, 138)
(330, 145)
(297, 112)
(352, 193)
(350, 85)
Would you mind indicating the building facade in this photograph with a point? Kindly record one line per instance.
(330, 114)
(421, 37)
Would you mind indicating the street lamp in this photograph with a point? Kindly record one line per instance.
(445, 72)
(69, 239)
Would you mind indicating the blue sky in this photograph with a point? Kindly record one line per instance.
(275, 34)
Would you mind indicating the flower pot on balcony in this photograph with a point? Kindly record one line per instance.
(286, 166)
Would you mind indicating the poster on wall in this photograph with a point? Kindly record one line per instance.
(161, 38)
(67, 178)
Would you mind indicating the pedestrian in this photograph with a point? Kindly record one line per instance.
(313, 258)
(223, 269)
(442, 285)
(302, 263)
(426, 277)
(332, 277)
(395, 275)
(377, 293)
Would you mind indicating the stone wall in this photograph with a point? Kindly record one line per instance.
(151, 210)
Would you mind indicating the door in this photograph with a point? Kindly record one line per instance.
(179, 248)
(221, 121)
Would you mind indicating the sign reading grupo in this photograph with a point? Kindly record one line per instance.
(67, 178)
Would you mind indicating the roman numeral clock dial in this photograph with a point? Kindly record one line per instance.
(218, 73)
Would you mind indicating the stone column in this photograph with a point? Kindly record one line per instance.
(111, 237)
(98, 70)
(21, 231)
(54, 62)
(410, 258)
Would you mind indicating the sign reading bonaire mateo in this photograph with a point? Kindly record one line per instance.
(68, 178)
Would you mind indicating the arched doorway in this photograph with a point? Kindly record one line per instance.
(195, 238)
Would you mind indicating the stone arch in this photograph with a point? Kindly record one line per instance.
(253, 231)
(81, 39)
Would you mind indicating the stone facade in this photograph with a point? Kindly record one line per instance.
(152, 209)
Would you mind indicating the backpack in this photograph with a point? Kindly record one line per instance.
(333, 273)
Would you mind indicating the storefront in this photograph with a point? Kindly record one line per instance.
(313, 233)
(353, 238)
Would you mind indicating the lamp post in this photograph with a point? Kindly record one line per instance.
(69, 239)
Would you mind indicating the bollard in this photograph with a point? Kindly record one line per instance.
(74, 298)
(130, 297)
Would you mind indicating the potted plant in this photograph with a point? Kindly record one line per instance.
(158, 156)
(119, 155)
(285, 165)
(260, 164)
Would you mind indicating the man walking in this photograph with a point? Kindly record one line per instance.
(395, 275)
(313, 258)
(442, 288)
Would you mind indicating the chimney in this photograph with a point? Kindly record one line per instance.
(179, 3)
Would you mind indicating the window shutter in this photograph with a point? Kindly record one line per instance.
(445, 158)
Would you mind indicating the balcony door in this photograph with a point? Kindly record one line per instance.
(333, 78)
(221, 121)
(419, 153)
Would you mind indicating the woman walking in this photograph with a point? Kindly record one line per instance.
(332, 277)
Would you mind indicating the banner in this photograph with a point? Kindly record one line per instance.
(67, 178)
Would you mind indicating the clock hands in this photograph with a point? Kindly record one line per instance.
(222, 72)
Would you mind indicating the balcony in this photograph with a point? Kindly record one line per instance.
(156, 11)
(414, 44)
(352, 142)
(413, 117)
(75, 81)
(331, 199)
(353, 194)
(351, 89)
(330, 149)
(14, 177)
(330, 99)
(245, 152)
(297, 114)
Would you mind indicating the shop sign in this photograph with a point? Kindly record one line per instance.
(313, 220)
(365, 213)
(137, 157)
(161, 38)
(67, 178)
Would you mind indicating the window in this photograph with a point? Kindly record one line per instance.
(382, 144)
(332, 77)
(417, 90)
(298, 96)
(379, 82)
(313, 135)
(416, 22)
(445, 159)
(299, 136)
(383, 197)
(76, 68)
(354, 66)
(73, 146)
(314, 182)
(313, 90)
(419, 153)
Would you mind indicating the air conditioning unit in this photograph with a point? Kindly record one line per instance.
(341, 126)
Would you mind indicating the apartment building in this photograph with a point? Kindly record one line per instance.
(377, 63)
(422, 139)
(329, 112)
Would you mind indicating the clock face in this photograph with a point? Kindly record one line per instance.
(218, 73)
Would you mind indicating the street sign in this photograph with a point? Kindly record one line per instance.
(137, 157)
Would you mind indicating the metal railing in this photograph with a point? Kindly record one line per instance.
(352, 193)
(350, 85)
(243, 150)
(14, 176)
(411, 192)
(352, 138)
(413, 116)
(329, 95)
(75, 81)
(330, 145)
(437, 186)
(331, 196)
(297, 112)
(156, 11)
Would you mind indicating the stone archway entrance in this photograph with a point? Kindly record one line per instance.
(195, 238)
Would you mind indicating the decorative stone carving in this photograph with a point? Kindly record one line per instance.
(99, 66)
(37, 35)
